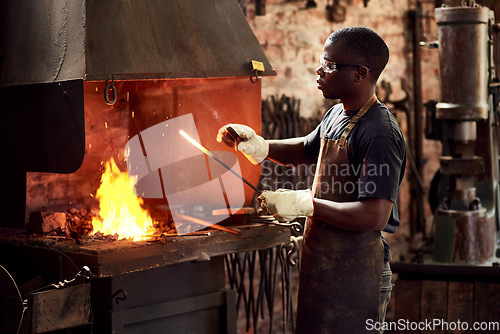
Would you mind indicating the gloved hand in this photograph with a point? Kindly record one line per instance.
(286, 205)
(254, 147)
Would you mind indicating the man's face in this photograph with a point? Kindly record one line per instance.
(339, 83)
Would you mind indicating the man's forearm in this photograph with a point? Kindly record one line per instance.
(288, 151)
(368, 215)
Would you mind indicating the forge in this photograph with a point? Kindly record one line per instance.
(84, 83)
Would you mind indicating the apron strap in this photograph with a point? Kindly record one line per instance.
(325, 134)
(356, 118)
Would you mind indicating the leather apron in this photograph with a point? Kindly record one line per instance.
(341, 271)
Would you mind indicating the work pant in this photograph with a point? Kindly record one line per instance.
(385, 293)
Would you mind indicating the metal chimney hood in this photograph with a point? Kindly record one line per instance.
(93, 40)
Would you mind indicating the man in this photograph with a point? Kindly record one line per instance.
(360, 153)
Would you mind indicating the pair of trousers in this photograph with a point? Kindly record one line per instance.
(385, 293)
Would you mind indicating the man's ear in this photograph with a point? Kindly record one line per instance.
(361, 74)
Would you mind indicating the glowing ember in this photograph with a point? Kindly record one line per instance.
(120, 209)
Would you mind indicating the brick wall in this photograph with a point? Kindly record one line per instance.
(292, 38)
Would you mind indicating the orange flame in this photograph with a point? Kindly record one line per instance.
(120, 209)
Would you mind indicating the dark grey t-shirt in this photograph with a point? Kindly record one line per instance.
(376, 153)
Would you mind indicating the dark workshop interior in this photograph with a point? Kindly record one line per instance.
(112, 222)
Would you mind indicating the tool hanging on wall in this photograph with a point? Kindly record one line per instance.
(260, 7)
(335, 11)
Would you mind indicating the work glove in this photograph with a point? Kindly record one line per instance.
(286, 205)
(254, 147)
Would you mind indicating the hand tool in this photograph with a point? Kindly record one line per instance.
(231, 137)
(208, 153)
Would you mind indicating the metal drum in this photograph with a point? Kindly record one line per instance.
(464, 237)
(463, 57)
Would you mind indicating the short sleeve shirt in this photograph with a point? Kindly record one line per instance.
(376, 151)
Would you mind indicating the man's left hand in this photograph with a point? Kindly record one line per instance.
(286, 205)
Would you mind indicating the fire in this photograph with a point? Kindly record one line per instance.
(120, 209)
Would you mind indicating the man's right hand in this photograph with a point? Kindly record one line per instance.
(253, 146)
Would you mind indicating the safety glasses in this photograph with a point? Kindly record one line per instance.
(330, 66)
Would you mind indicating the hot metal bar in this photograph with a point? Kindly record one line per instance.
(204, 223)
(207, 152)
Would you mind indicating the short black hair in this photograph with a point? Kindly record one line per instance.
(365, 47)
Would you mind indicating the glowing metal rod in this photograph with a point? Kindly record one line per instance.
(207, 152)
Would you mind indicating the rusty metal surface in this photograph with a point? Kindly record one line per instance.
(120, 257)
(58, 309)
(182, 298)
(461, 166)
(464, 237)
(41, 41)
(98, 40)
(463, 57)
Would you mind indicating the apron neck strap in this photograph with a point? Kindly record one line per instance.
(356, 118)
